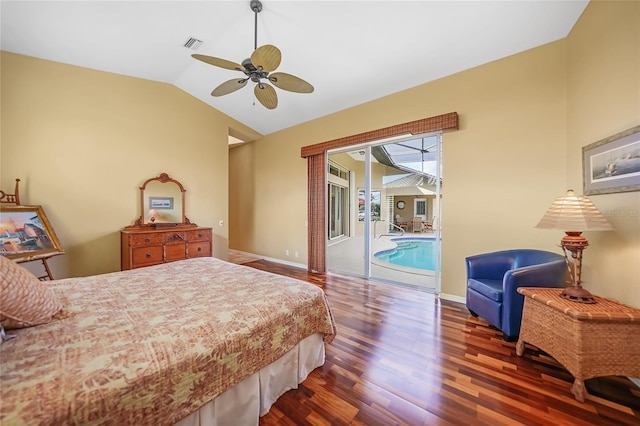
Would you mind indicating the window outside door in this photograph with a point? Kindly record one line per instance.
(338, 211)
(338, 205)
(420, 208)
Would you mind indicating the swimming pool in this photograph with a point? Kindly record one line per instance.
(418, 253)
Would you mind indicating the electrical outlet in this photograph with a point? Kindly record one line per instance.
(296, 254)
(221, 223)
(286, 252)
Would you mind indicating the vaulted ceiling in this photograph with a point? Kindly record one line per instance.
(350, 51)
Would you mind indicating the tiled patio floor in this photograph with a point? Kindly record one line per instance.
(346, 257)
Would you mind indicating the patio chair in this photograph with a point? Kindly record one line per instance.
(417, 225)
(401, 222)
(428, 226)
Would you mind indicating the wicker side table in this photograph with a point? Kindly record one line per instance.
(589, 340)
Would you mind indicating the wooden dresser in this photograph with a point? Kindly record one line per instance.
(151, 246)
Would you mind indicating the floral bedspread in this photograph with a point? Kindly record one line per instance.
(152, 345)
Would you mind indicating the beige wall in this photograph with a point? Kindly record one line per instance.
(603, 96)
(523, 120)
(83, 141)
(502, 168)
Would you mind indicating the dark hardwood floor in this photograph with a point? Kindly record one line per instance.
(404, 357)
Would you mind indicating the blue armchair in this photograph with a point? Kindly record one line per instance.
(492, 280)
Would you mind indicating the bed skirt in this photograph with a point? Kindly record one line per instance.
(245, 402)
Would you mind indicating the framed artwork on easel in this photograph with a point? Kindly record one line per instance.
(26, 234)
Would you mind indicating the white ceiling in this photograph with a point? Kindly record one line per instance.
(350, 51)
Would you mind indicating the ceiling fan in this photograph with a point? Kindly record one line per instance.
(258, 68)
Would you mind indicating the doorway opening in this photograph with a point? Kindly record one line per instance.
(392, 209)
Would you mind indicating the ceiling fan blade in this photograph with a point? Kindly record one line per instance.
(266, 94)
(268, 57)
(222, 63)
(290, 82)
(229, 86)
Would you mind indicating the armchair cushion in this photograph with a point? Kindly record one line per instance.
(488, 288)
(493, 280)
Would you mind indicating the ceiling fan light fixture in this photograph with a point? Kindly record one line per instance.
(263, 61)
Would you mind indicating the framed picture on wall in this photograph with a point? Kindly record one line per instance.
(26, 234)
(612, 164)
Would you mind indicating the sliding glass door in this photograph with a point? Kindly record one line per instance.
(345, 214)
(394, 203)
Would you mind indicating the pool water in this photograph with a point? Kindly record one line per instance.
(411, 253)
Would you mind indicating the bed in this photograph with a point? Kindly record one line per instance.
(198, 341)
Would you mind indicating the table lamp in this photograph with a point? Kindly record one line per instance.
(574, 214)
(153, 215)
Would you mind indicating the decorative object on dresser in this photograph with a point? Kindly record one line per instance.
(165, 194)
(162, 233)
(25, 233)
(153, 214)
(589, 340)
(574, 214)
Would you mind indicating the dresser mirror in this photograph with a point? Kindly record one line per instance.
(162, 202)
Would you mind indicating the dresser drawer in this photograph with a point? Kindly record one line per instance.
(199, 249)
(145, 239)
(145, 256)
(199, 235)
(173, 252)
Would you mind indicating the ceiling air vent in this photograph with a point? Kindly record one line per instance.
(193, 43)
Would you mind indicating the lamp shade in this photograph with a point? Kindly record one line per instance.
(575, 213)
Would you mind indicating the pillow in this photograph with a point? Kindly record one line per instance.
(24, 299)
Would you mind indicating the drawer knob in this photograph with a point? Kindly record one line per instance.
(199, 235)
(199, 248)
(146, 240)
(148, 255)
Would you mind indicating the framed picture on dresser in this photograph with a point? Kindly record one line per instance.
(26, 234)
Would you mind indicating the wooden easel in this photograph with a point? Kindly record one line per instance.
(14, 199)
(47, 276)
(11, 198)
